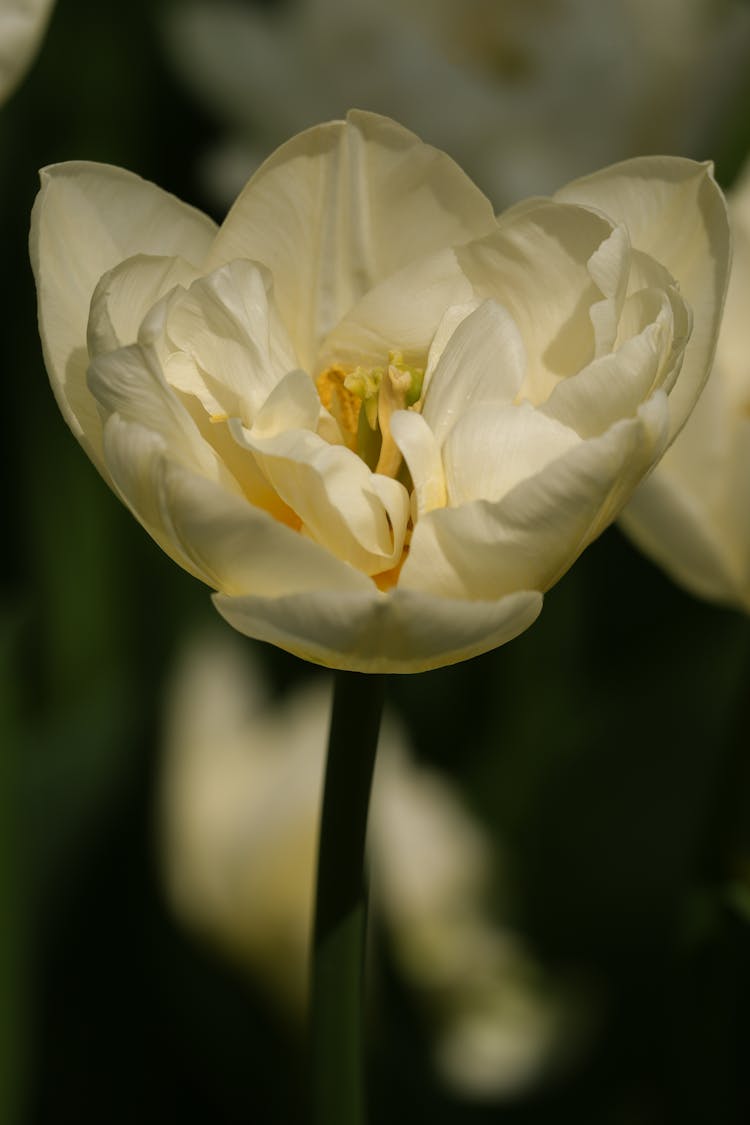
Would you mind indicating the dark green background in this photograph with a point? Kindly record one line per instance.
(606, 749)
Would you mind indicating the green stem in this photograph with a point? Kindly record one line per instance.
(341, 906)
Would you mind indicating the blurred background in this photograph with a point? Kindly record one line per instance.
(592, 778)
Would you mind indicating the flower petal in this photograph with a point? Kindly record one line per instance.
(674, 211)
(536, 265)
(493, 448)
(671, 527)
(293, 404)
(614, 386)
(214, 534)
(402, 631)
(340, 207)
(86, 219)
(244, 551)
(126, 294)
(401, 313)
(609, 267)
(483, 363)
(421, 452)
(228, 329)
(529, 538)
(129, 383)
(357, 516)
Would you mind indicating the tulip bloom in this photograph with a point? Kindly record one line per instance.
(693, 514)
(377, 420)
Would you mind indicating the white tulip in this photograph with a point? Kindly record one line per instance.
(693, 514)
(378, 421)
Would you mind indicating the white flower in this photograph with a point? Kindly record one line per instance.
(241, 786)
(22, 24)
(377, 420)
(693, 514)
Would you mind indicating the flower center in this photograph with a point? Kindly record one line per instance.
(362, 400)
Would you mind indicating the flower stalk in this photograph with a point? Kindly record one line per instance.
(341, 905)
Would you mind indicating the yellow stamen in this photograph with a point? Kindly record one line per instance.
(362, 401)
(343, 404)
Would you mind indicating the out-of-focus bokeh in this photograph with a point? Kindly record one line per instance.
(602, 756)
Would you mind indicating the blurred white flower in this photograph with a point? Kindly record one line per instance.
(692, 516)
(377, 420)
(22, 25)
(240, 796)
(525, 96)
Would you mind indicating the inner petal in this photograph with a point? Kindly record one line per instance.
(360, 518)
(224, 341)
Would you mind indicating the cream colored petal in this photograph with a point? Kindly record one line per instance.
(215, 535)
(492, 448)
(293, 404)
(672, 527)
(126, 294)
(341, 505)
(340, 207)
(129, 383)
(245, 551)
(402, 631)
(609, 267)
(537, 267)
(614, 386)
(673, 320)
(228, 325)
(421, 452)
(697, 464)
(483, 363)
(530, 537)
(449, 322)
(674, 211)
(402, 313)
(86, 219)
(135, 458)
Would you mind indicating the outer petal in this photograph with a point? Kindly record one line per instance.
(402, 631)
(216, 535)
(672, 528)
(86, 219)
(340, 207)
(673, 210)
